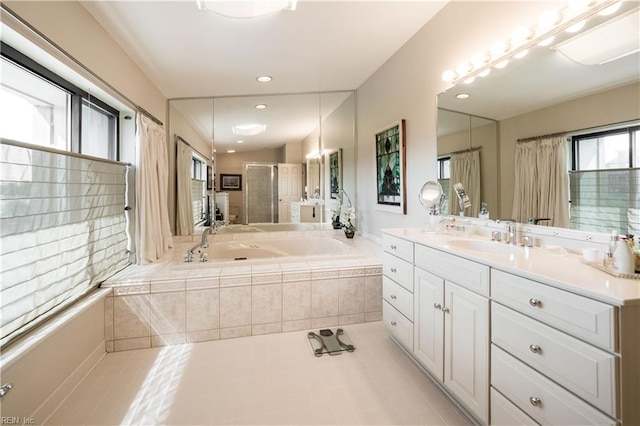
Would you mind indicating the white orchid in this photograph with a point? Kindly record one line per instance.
(350, 217)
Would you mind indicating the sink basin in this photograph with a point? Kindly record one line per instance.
(487, 247)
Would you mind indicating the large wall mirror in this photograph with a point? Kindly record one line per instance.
(543, 93)
(270, 152)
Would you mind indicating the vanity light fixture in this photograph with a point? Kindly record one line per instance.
(261, 106)
(264, 78)
(551, 23)
(245, 9)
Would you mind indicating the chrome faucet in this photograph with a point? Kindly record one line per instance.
(510, 236)
(213, 229)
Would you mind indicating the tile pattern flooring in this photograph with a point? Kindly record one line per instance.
(271, 379)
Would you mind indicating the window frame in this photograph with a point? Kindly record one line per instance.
(78, 98)
(630, 130)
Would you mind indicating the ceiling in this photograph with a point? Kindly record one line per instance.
(321, 46)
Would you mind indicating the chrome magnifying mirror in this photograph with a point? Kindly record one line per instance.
(431, 197)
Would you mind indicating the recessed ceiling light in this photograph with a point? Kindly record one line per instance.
(463, 96)
(240, 141)
(231, 151)
(264, 78)
(261, 106)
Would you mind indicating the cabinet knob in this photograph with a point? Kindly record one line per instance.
(393, 323)
(534, 302)
(394, 270)
(437, 306)
(393, 296)
(535, 401)
(445, 310)
(393, 247)
(535, 349)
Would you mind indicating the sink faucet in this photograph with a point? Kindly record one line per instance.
(511, 226)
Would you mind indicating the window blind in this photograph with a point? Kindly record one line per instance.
(197, 200)
(603, 200)
(63, 230)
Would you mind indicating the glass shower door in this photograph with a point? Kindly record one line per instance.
(261, 193)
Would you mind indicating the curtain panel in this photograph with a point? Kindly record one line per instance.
(541, 181)
(184, 198)
(153, 230)
(465, 168)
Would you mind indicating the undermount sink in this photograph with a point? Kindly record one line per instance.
(487, 247)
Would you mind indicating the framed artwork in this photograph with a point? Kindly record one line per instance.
(335, 173)
(209, 178)
(390, 168)
(230, 182)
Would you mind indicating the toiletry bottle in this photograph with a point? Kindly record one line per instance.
(623, 262)
(613, 242)
(484, 213)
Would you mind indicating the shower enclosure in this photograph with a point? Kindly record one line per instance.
(261, 193)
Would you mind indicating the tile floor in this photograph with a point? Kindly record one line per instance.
(271, 379)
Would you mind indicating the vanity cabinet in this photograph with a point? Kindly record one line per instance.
(511, 342)
(451, 326)
(304, 213)
(397, 289)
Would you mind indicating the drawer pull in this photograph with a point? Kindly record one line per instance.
(393, 270)
(393, 296)
(393, 323)
(535, 349)
(437, 306)
(535, 302)
(445, 310)
(535, 401)
(394, 247)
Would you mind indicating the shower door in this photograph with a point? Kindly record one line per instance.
(261, 192)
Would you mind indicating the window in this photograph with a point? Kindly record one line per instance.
(604, 180)
(41, 108)
(198, 188)
(444, 178)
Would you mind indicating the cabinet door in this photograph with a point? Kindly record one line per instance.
(428, 338)
(466, 359)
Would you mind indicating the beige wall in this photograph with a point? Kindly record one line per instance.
(69, 25)
(406, 86)
(609, 107)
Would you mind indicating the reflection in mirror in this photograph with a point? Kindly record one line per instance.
(191, 186)
(467, 153)
(545, 93)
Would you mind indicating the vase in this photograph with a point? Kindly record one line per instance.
(349, 233)
(336, 224)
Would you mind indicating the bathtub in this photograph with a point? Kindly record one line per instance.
(268, 227)
(280, 250)
(282, 283)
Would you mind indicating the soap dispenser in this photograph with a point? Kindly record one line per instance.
(623, 261)
(613, 245)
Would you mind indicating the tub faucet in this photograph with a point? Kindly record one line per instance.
(188, 257)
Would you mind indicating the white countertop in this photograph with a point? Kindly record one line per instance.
(565, 271)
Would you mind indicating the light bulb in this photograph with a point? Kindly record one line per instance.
(499, 48)
(547, 41)
(480, 58)
(502, 64)
(463, 68)
(610, 10)
(576, 27)
(549, 19)
(521, 54)
(521, 34)
(485, 73)
(469, 80)
(449, 75)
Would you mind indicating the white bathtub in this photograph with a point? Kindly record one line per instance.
(280, 249)
(268, 227)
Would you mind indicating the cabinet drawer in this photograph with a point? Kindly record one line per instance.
(398, 270)
(583, 369)
(580, 316)
(398, 297)
(466, 273)
(504, 412)
(399, 326)
(398, 247)
(540, 398)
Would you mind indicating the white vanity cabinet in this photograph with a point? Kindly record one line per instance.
(397, 289)
(304, 213)
(451, 325)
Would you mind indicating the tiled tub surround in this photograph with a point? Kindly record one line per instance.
(173, 303)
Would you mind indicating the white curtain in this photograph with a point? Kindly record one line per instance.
(465, 168)
(153, 231)
(184, 197)
(541, 181)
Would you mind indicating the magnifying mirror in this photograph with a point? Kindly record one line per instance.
(431, 196)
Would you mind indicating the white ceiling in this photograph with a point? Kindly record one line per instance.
(321, 46)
